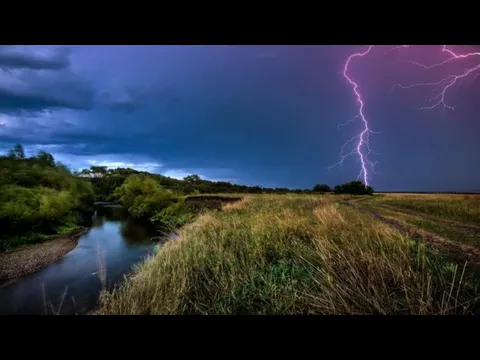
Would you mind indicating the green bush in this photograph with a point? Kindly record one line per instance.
(18, 205)
(148, 205)
(39, 198)
(174, 216)
(353, 188)
(143, 197)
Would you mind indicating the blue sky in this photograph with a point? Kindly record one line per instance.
(265, 115)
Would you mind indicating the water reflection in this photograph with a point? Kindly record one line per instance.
(114, 243)
(134, 233)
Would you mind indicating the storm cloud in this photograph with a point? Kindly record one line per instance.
(13, 57)
(39, 79)
(265, 115)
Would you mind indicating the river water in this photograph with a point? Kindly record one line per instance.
(72, 285)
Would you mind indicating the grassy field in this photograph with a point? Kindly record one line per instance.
(299, 254)
(464, 208)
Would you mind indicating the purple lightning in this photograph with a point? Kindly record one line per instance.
(447, 82)
(440, 89)
(364, 136)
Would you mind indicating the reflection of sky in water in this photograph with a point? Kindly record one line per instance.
(115, 240)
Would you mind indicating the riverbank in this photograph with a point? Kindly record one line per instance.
(33, 257)
(293, 255)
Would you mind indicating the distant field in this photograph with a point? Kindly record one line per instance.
(465, 208)
(450, 223)
(299, 254)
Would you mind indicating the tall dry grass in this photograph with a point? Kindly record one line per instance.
(292, 255)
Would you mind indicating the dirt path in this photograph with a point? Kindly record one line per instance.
(457, 252)
(34, 257)
(454, 223)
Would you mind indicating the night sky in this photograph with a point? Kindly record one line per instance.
(254, 115)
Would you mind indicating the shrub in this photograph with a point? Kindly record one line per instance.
(353, 188)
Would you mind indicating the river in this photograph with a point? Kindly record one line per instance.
(72, 285)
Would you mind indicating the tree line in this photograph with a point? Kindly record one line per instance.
(105, 181)
(40, 197)
(161, 199)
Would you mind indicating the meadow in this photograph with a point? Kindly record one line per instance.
(315, 254)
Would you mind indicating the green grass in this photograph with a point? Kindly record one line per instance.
(293, 255)
(464, 208)
(450, 232)
(446, 230)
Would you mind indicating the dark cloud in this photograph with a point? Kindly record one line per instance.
(36, 79)
(126, 99)
(15, 101)
(130, 98)
(268, 115)
(13, 58)
(125, 105)
(28, 90)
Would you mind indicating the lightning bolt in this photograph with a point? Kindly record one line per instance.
(363, 138)
(439, 92)
(443, 85)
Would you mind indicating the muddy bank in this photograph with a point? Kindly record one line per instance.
(210, 202)
(34, 257)
(225, 199)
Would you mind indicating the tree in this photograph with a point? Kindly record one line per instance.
(353, 188)
(323, 188)
(62, 167)
(46, 158)
(192, 179)
(17, 152)
(143, 196)
(98, 171)
(134, 186)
